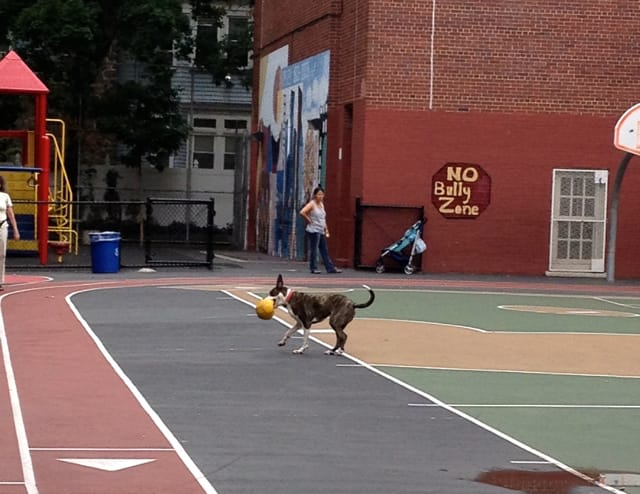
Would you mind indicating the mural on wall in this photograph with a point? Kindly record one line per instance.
(293, 125)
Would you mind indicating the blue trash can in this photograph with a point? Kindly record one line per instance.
(105, 252)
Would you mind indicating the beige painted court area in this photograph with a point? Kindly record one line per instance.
(405, 343)
(393, 342)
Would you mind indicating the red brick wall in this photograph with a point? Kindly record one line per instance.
(399, 33)
(405, 149)
(527, 56)
(517, 87)
(281, 18)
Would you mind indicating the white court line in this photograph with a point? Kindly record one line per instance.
(103, 449)
(506, 293)
(155, 418)
(612, 302)
(229, 258)
(505, 371)
(529, 462)
(16, 410)
(524, 405)
(435, 323)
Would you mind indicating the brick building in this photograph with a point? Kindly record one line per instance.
(497, 118)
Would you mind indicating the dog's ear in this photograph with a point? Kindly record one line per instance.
(279, 282)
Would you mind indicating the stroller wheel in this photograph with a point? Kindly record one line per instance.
(379, 267)
(409, 269)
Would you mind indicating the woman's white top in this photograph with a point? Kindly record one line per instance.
(5, 202)
(318, 217)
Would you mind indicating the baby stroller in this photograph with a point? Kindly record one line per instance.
(397, 251)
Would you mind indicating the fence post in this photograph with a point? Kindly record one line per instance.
(211, 212)
(147, 229)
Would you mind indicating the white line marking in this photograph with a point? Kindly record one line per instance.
(107, 464)
(437, 323)
(523, 405)
(612, 302)
(179, 449)
(229, 258)
(479, 330)
(529, 462)
(563, 311)
(16, 410)
(103, 449)
(504, 292)
(505, 371)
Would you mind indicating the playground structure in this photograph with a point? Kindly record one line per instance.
(42, 194)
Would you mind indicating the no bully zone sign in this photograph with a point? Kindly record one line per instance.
(461, 190)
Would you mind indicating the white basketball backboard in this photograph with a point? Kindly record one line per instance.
(627, 131)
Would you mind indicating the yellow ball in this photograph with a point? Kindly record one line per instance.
(265, 308)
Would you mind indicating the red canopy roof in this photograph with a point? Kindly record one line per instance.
(17, 77)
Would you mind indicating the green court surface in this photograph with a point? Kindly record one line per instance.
(588, 423)
(486, 311)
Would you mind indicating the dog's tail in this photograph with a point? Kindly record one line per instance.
(372, 297)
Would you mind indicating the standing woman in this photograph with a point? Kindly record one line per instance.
(317, 232)
(6, 216)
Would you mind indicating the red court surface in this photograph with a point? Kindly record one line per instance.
(69, 422)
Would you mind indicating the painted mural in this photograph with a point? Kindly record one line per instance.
(292, 161)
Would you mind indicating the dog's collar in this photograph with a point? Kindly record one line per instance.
(289, 295)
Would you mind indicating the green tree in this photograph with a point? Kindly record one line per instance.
(76, 47)
(225, 56)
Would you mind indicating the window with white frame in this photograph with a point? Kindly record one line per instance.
(204, 154)
(217, 142)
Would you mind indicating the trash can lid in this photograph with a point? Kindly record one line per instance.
(103, 236)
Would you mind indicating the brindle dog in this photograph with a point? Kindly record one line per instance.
(308, 309)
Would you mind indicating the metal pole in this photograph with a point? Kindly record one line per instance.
(211, 212)
(613, 217)
(147, 230)
(190, 161)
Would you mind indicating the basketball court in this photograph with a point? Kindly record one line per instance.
(131, 384)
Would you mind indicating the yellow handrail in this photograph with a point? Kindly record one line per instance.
(61, 210)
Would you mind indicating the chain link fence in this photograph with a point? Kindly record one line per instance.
(173, 228)
(154, 232)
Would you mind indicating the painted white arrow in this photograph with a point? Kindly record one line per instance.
(109, 465)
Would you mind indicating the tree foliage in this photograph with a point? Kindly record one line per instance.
(225, 56)
(75, 47)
